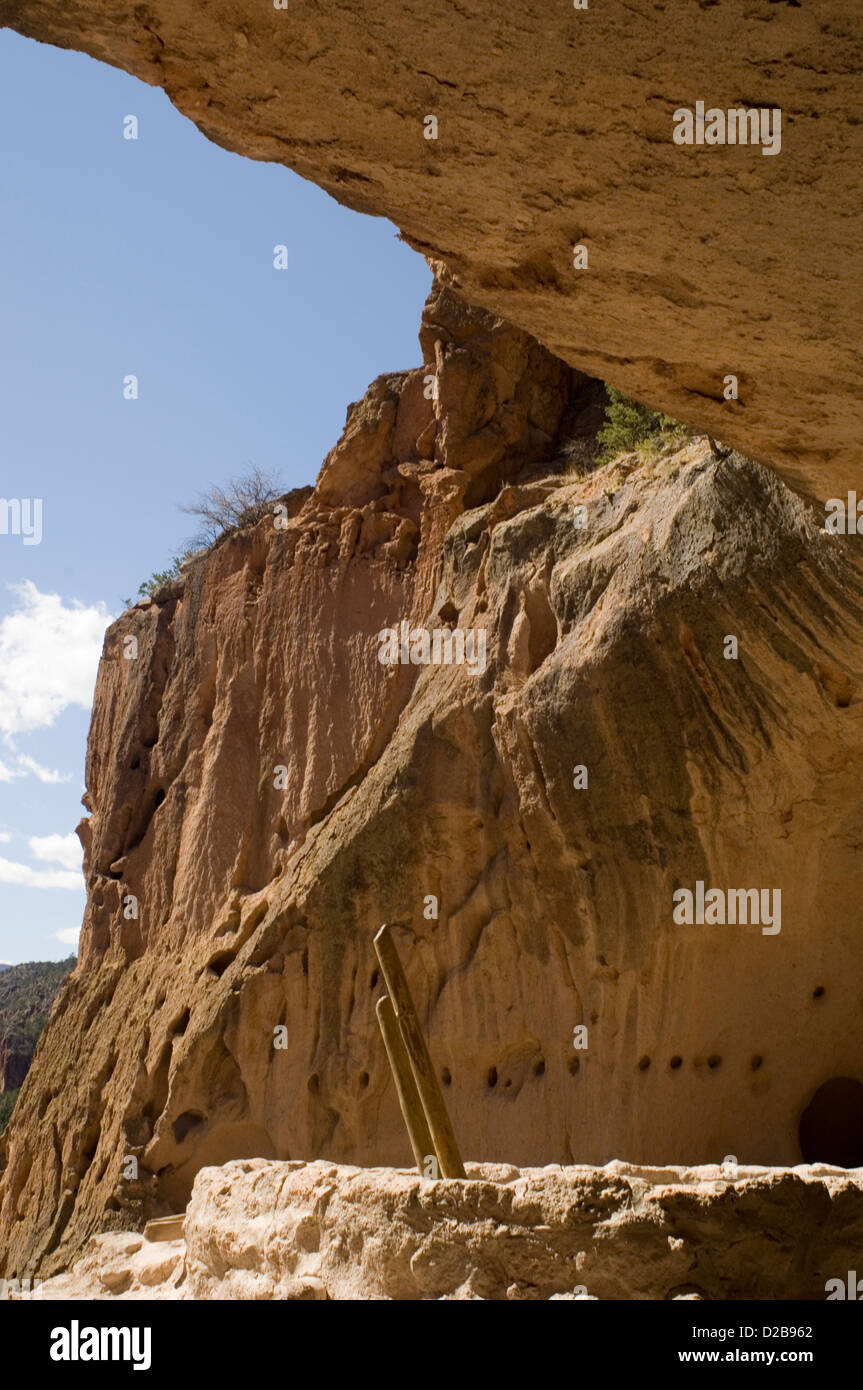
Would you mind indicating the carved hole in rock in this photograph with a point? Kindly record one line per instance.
(491, 1078)
(446, 1076)
(831, 1126)
(448, 613)
(543, 626)
(179, 1026)
(144, 822)
(539, 1069)
(218, 964)
(314, 1084)
(185, 1123)
(375, 977)
(364, 1079)
(215, 1145)
(574, 1066)
(89, 1144)
(818, 992)
(159, 1083)
(757, 1062)
(675, 1063)
(714, 1061)
(643, 1063)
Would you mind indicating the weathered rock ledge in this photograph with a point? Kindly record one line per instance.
(265, 1230)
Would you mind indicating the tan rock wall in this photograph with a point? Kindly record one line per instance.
(606, 630)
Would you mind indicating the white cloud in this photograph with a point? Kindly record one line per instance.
(5, 837)
(57, 849)
(49, 652)
(22, 875)
(24, 764)
(47, 774)
(68, 935)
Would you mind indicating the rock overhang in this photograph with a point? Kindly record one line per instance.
(555, 128)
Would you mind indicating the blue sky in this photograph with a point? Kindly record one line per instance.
(151, 257)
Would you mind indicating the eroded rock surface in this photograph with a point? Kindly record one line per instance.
(269, 792)
(555, 129)
(259, 1230)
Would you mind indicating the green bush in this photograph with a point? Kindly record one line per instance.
(630, 426)
(157, 579)
(7, 1105)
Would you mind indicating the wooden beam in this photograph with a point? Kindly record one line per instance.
(406, 1088)
(432, 1099)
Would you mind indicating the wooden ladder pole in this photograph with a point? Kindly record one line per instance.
(406, 1088)
(432, 1099)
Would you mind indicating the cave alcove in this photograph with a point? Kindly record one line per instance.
(831, 1126)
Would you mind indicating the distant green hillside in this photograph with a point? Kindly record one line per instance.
(26, 994)
(7, 1104)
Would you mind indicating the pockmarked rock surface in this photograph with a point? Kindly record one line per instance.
(264, 791)
(554, 130)
(262, 1230)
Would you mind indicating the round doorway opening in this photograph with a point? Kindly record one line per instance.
(831, 1126)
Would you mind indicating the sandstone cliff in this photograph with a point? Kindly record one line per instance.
(555, 129)
(268, 793)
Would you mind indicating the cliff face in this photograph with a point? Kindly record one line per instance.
(264, 792)
(555, 129)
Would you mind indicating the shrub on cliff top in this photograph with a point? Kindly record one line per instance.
(242, 503)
